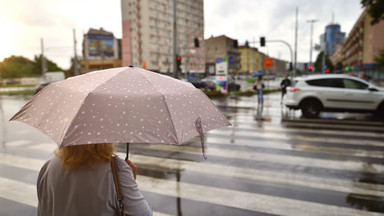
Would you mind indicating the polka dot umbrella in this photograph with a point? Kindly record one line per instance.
(121, 105)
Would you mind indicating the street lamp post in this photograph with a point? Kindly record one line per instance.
(310, 52)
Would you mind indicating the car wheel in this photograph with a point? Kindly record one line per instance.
(310, 108)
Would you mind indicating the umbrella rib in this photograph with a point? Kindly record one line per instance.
(77, 112)
(166, 105)
(170, 116)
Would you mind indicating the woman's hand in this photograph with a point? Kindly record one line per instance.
(133, 167)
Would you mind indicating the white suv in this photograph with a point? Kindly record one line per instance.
(334, 92)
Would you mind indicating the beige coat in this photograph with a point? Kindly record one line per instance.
(259, 84)
(86, 191)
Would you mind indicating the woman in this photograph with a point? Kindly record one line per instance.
(78, 180)
(259, 86)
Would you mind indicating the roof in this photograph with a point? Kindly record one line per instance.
(324, 76)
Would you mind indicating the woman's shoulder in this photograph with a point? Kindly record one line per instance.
(121, 162)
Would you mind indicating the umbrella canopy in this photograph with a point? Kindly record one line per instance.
(121, 105)
(257, 74)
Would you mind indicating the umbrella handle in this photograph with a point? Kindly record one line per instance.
(126, 157)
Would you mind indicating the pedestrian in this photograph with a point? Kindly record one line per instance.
(284, 84)
(259, 89)
(78, 180)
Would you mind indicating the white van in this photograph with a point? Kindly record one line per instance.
(54, 76)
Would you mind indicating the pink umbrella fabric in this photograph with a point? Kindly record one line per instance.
(121, 105)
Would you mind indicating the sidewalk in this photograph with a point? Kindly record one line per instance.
(13, 89)
(247, 102)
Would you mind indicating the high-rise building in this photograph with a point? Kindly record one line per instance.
(331, 38)
(148, 34)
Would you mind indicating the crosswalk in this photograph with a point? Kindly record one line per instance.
(290, 167)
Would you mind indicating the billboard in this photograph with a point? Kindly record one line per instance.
(99, 44)
(221, 74)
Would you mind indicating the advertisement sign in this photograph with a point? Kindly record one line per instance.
(222, 74)
(99, 44)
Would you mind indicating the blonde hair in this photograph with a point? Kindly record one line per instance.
(80, 155)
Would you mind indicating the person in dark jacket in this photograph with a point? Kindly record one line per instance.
(284, 84)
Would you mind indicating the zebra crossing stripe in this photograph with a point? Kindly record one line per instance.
(18, 191)
(252, 175)
(340, 127)
(284, 159)
(278, 128)
(26, 194)
(296, 147)
(264, 157)
(18, 143)
(21, 162)
(244, 200)
(282, 136)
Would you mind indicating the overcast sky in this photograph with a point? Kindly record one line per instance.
(24, 22)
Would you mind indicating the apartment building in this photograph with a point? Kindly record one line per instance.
(221, 47)
(363, 43)
(148, 34)
(251, 60)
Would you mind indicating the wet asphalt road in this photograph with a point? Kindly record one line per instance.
(270, 162)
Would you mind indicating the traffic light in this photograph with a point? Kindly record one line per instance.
(327, 71)
(262, 41)
(178, 63)
(310, 68)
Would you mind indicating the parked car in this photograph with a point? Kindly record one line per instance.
(334, 92)
(202, 84)
(232, 86)
(41, 86)
(211, 83)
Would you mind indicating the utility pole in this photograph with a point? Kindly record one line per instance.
(310, 50)
(295, 64)
(175, 68)
(76, 67)
(43, 63)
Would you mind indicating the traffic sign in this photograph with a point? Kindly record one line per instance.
(231, 60)
(268, 63)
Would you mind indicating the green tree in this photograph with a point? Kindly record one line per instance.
(15, 67)
(375, 8)
(319, 61)
(246, 44)
(19, 66)
(51, 66)
(380, 58)
(339, 65)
